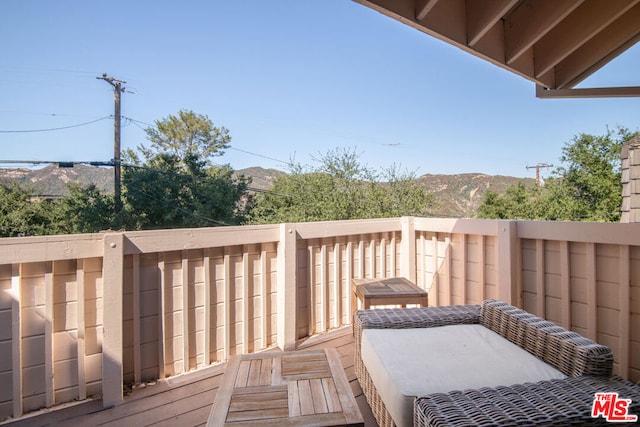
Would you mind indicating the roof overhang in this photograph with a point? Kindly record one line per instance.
(554, 43)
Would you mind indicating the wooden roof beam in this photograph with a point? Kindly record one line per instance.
(482, 16)
(531, 21)
(423, 7)
(601, 92)
(593, 55)
(580, 26)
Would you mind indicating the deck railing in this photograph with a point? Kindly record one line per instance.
(82, 315)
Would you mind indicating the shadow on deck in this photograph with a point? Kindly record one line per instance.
(184, 400)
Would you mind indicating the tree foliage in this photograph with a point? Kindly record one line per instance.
(184, 135)
(85, 209)
(21, 214)
(173, 183)
(82, 210)
(586, 187)
(165, 192)
(340, 187)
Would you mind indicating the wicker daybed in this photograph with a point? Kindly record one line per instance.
(584, 367)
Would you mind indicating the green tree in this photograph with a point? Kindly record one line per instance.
(84, 210)
(592, 174)
(518, 202)
(339, 188)
(187, 134)
(586, 187)
(173, 183)
(22, 214)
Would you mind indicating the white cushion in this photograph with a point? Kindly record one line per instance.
(405, 363)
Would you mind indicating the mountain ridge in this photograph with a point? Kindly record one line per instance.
(455, 195)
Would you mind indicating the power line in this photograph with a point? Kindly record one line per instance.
(63, 162)
(58, 128)
(48, 114)
(49, 70)
(136, 122)
(259, 155)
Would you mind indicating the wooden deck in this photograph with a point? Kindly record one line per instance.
(184, 400)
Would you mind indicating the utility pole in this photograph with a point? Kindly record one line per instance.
(118, 88)
(537, 168)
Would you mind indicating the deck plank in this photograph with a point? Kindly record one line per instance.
(185, 400)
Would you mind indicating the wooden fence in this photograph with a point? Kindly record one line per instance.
(82, 315)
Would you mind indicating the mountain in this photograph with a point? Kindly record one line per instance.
(456, 196)
(52, 180)
(262, 179)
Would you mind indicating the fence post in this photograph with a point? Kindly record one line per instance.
(507, 261)
(287, 303)
(408, 249)
(113, 278)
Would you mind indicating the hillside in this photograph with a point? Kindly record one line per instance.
(456, 196)
(52, 180)
(262, 179)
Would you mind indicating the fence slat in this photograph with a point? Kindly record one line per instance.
(311, 267)
(392, 260)
(324, 289)
(565, 284)
(135, 300)
(592, 291)
(483, 267)
(372, 257)
(422, 262)
(435, 280)
(361, 270)
(228, 322)
(625, 311)
(337, 306)
(49, 373)
(185, 311)
(246, 300)
(264, 298)
(162, 327)
(383, 257)
(80, 344)
(207, 306)
(541, 296)
(446, 267)
(408, 249)
(463, 270)
(16, 337)
(349, 277)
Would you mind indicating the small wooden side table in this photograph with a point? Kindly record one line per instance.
(390, 291)
(300, 388)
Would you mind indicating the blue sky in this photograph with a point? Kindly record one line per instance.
(288, 78)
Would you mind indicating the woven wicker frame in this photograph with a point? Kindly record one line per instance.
(565, 402)
(567, 351)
